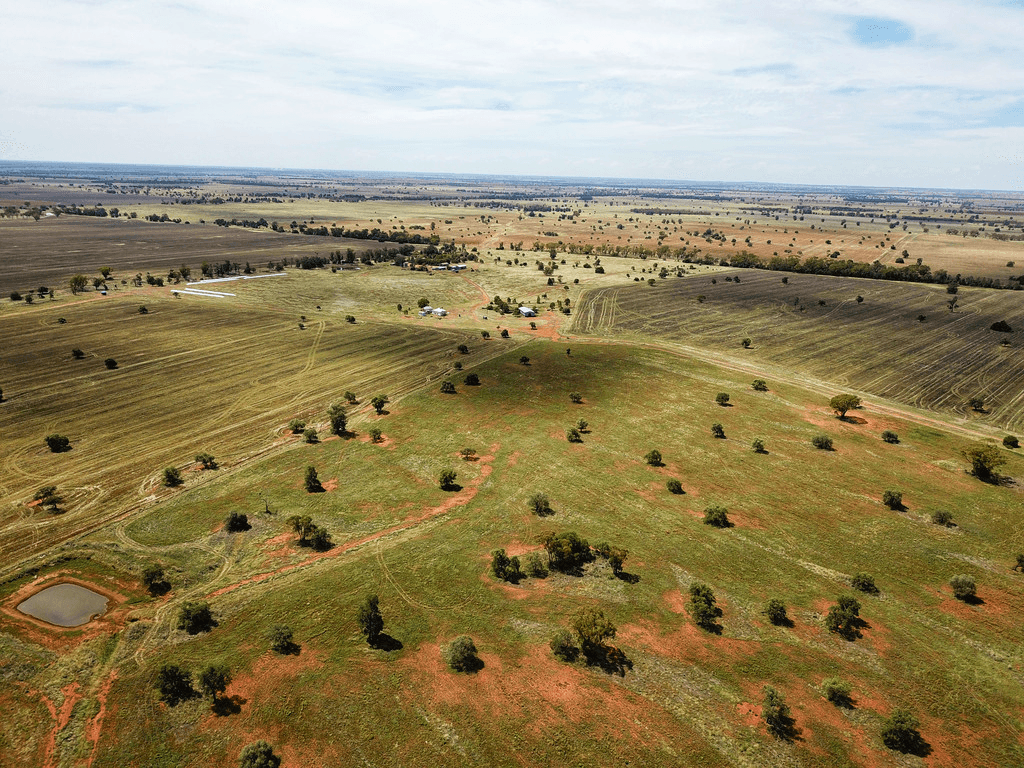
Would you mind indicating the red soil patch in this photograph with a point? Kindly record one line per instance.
(518, 549)
(60, 638)
(461, 498)
(61, 719)
(997, 606)
(514, 458)
(750, 714)
(675, 601)
(95, 726)
(266, 675)
(331, 485)
(689, 643)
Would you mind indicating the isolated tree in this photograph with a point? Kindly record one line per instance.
(302, 525)
(111, 363)
(376, 435)
(890, 437)
(258, 755)
(893, 499)
(575, 397)
(485, 334)
(722, 398)
(504, 333)
(524, 360)
(461, 654)
(463, 349)
(472, 380)
(759, 385)
(78, 283)
(653, 457)
(47, 496)
(977, 404)
(378, 402)
(674, 486)
(172, 477)
(616, 556)
(350, 397)
(206, 460)
(57, 443)
(985, 460)
(447, 388)
(942, 517)
(592, 628)
(214, 680)
(468, 454)
(900, 731)
(310, 436)
(758, 445)
(775, 610)
(312, 482)
(964, 587)
(446, 480)
(572, 434)
(237, 522)
(174, 684)
(195, 617)
(746, 343)
(504, 567)
(843, 617)
(864, 582)
(77, 353)
(370, 619)
(1009, 441)
(841, 404)
(338, 418)
(718, 431)
(717, 516)
(296, 426)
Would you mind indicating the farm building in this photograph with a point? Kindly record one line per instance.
(527, 312)
(439, 311)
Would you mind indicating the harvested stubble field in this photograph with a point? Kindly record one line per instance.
(878, 346)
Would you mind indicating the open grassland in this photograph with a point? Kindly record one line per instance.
(805, 520)
(877, 345)
(193, 375)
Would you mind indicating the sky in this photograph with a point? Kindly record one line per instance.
(919, 93)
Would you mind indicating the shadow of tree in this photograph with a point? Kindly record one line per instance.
(609, 658)
(385, 642)
(228, 705)
(629, 578)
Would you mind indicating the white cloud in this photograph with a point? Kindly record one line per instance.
(732, 90)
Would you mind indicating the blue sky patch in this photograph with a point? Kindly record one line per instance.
(879, 32)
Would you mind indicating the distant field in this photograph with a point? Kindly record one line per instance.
(876, 346)
(51, 250)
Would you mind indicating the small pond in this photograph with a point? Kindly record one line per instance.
(66, 605)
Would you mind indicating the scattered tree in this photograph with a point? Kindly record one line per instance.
(718, 431)
(57, 443)
(775, 713)
(468, 454)
(461, 654)
(616, 556)
(717, 516)
(350, 318)
(572, 434)
(376, 435)
(338, 418)
(564, 647)
(206, 460)
(900, 732)
(985, 460)
(864, 582)
(296, 426)
(758, 445)
(746, 343)
(312, 481)
(504, 567)
(350, 397)
(703, 606)
(447, 388)
(463, 349)
(575, 397)
(111, 363)
(195, 617)
(567, 552)
(890, 437)
(370, 619)
(504, 333)
(47, 496)
(1009, 441)
(674, 486)
(447, 479)
(893, 499)
(524, 360)
(837, 691)
(653, 457)
(310, 436)
(237, 522)
(540, 505)
(214, 680)
(378, 402)
(977, 404)
(154, 580)
(964, 587)
(775, 610)
(843, 617)
(282, 639)
(759, 385)
(172, 477)
(722, 398)
(78, 283)
(592, 628)
(258, 755)
(841, 404)
(77, 353)
(822, 442)
(485, 334)
(472, 380)
(942, 517)
(174, 684)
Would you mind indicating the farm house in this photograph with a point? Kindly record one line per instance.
(527, 312)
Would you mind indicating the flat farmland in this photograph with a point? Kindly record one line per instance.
(875, 346)
(51, 250)
(193, 376)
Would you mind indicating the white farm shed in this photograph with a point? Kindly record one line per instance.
(439, 311)
(527, 312)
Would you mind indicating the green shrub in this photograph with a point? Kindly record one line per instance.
(822, 442)
(775, 713)
(653, 458)
(900, 731)
(837, 691)
(864, 582)
(536, 568)
(890, 437)
(447, 479)
(172, 477)
(572, 434)
(717, 516)
(722, 398)
(461, 654)
(758, 445)
(567, 552)
(564, 647)
(296, 426)
(942, 517)
(775, 610)
(718, 431)
(893, 499)
(759, 385)
(964, 587)
(674, 486)
(540, 505)
(1011, 442)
